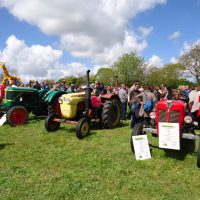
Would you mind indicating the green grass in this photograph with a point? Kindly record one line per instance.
(35, 164)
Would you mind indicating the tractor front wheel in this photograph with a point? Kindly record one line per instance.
(137, 130)
(17, 115)
(82, 128)
(50, 124)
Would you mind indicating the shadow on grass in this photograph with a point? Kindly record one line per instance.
(35, 119)
(186, 147)
(3, 146)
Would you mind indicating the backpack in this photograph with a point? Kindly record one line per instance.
(148, 106)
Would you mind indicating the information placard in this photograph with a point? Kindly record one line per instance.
(141, 147)
(3, 120)
(169, 135)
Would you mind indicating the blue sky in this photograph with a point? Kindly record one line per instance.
(54, 39)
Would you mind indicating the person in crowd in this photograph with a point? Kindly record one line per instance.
(133, 103)
(162, 91)
(97, 105)
(2, 90)
(36, 85)
(63, 85)
(56, 86)
(194, 101)
(141, 89)
(123, 98)
(182, 94)
(169, 94)
(13, 83)
(92, 85)
(99, 88)
(71, 89)
(157, 93)
(187, 90)
(30, 84)
(45, 86)
(143, 97)
(109, 89)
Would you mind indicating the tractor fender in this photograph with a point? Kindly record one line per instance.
(51, 95)
(105, 97)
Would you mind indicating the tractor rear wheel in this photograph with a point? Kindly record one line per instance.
(50, 124)
(17, 115)
(83, 128)
(111, 113)
(137, 130)
(198, 155)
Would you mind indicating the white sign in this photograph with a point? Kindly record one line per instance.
(3, 120)
(141, 147)
(169, 137)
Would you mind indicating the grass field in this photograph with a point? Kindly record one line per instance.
(35, 164)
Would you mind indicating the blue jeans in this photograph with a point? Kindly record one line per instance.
(123, 110)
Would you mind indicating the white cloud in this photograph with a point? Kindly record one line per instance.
(145, 31)
(175, 35)
(174, 60)
(155, 61)
(95, 29)
(37, 62)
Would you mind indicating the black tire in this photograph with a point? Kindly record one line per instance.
(137, 130)
(17, 115)
(83, 128)
(51, 125)
(198, 155)
(111, 113)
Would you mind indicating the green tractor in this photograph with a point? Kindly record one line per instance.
(18, 102)
(76, 108)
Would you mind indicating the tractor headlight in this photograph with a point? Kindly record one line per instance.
(187, 119)
(67, 100)
(60, 100)
(152, 115)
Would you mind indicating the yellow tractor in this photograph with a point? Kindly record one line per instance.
(77, 109)
(8, 79)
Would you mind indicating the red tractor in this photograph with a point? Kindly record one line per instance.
(171, 117)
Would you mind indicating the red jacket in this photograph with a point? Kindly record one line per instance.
(2, 91)
(96, 102)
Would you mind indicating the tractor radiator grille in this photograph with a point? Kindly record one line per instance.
(174, 116)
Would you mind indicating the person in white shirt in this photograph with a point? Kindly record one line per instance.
(194, 101)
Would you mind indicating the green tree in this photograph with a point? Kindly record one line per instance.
(69, 80)
(191, 61)
(106, 75)
(130, 67)
(169, 74)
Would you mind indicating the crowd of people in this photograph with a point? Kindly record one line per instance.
(132, 98)
(136, 97)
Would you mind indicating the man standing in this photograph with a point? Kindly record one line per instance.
(194, 101)
(37, 85)
(134, 103)
(123, 98)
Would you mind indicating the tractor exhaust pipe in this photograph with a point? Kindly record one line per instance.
(87, 94)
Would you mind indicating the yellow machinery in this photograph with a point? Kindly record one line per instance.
(68, 104)
(7, 77)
